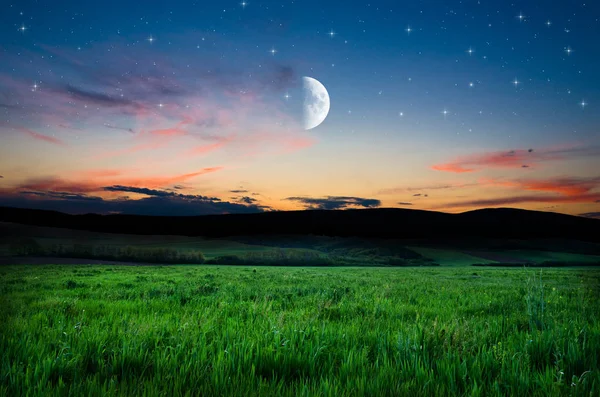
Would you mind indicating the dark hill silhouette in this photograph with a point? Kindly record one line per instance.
(503, 223)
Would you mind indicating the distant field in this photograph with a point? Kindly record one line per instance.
(533, 256)
(461, 257)
(352, 250)
(448, 257)
(101, 330)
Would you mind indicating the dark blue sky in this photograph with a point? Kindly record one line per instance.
(425, 95)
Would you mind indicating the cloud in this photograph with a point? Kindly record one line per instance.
(69, 127)
(134, 149)
(95, 98)
(563, 190)
(157, 193)
(61, 195)
(90, 185)
(42, 137)
(153, 205)
(279, 77)
(114, 127)
(456, 168)
(203, 149)
(1, 177)
(238, 191)
(510, 200)
(336, 202)
(161, 102)
(568, 186)
(101, 173)
(86, 195)
(399, 190)
(595, 215)
(402, 203)
(514, 158)
(177, 130)
(246, 200)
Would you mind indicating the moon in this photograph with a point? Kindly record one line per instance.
(316, 103)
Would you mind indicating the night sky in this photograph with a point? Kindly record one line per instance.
(184, 108)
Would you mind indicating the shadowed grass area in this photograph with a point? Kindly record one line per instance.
(449, 257)
(29, 247)
(224, 330)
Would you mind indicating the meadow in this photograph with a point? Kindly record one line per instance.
(97, 330)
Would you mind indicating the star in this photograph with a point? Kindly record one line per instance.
(243, 4)
(34, 87)
(401, 114)
(408, 30)
(521, 17)
(583, 104)
(471, 84)
(568, 50)
(23, 28)
(516, 82)
(151, 39)
(470, 51)
(287, 96)
(548, 23)
(273, 51)
(331, 33)
(160, 105)
(445, 113)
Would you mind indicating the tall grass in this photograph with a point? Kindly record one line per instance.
(271, 331)
(292, 257)
(535, 301)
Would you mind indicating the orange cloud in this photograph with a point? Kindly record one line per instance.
(91, 185)
(158, 181)
(457, 168)
(501, 201)
(565, 189)
(563, 186)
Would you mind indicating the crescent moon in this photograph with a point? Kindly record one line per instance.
(316, 103)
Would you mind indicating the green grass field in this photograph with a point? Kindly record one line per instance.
(242, 331)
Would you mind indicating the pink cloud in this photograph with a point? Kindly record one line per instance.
(42, 137)
(515, 158)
